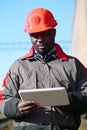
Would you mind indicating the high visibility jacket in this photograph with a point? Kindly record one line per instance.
(56, 70)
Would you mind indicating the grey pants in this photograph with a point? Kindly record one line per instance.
(44, 127)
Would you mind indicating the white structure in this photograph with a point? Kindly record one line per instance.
(79, 32)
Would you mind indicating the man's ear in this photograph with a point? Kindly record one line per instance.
(54, 32)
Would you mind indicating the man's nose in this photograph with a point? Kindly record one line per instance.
(40, 38)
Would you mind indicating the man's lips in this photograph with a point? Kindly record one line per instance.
(41, 46)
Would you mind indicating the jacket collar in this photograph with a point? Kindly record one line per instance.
(59, 53)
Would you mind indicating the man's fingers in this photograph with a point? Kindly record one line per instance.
(27, 107)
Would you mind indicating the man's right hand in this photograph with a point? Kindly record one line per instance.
(27, 107)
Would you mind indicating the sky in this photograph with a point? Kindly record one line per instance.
(14, 42)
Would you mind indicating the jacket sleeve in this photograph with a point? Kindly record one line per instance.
(9, 95)
(78, 97)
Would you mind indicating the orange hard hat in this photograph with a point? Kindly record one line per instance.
(38, 20)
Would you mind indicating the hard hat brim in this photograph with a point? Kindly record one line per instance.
(35, 30)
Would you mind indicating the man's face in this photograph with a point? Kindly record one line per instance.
(43, 42)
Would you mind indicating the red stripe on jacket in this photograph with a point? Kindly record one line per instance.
(3, 85)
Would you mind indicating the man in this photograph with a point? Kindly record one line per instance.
(46, 65)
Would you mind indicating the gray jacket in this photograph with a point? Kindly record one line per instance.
(56, 69)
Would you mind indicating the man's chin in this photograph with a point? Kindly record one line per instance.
(43, 52)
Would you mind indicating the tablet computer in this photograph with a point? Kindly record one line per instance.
(46, 96)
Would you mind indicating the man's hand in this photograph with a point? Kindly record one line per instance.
(27, 107)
